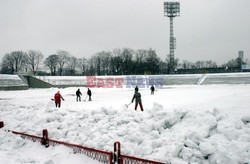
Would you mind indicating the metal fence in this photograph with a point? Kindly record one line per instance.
(99, 155)
(102, 156)
(125, 159)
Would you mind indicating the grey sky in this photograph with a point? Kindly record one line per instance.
(206, 29)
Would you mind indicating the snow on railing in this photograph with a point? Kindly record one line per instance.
(63, 80)
(11, 80)
(102, 156)
(5, 76)
(125, 159)
(99, 155)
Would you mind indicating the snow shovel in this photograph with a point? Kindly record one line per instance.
(126, 106)
(85, 98)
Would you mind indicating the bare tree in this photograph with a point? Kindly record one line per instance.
(7, 65)
(63, 57)
(127, 55)
(83, 65)
(96, 62)
(199, 64)
(140, 61)
(52, 62)
(14, 61)
(34, 59)
(163, 67)
(152, 62)
(116, 61)
(92, 68)
(72, 64)
(186, 64)
(19, 60)
(105, 62)
(210, 64)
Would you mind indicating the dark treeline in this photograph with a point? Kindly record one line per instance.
(124, 61)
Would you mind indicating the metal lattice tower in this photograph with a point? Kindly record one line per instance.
(171, 10)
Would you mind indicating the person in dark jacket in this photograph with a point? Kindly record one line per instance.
(89, 94)
(136, 88)
(152, 89)
(137, 97)
(57, 99)
(78, 95)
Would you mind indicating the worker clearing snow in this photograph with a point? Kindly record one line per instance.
(137, 97)
(58, 97)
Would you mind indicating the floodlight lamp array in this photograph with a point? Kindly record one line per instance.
(171, 9)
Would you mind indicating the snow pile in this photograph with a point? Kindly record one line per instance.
(187, 124)
(215, 139)
(14, 149)
(178, 136)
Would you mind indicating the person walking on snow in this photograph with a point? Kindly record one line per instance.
(58, 98)
(137, 97)
(89, 94)
(152, 89)
(78, 95)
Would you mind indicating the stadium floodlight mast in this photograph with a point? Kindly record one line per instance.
(171, 10)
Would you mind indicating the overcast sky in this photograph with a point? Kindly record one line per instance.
(206, 29)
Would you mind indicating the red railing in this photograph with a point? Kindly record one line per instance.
(1, 124)
(125, 159)
(103, 156)
(134, 160)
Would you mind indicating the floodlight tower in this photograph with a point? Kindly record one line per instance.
(171, 10)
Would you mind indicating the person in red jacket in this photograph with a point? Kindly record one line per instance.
(57, 99)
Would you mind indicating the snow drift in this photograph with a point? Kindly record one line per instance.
(191, 134)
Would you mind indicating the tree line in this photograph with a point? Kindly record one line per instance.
(124, 61)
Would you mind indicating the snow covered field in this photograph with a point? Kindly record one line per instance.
(180, 124)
